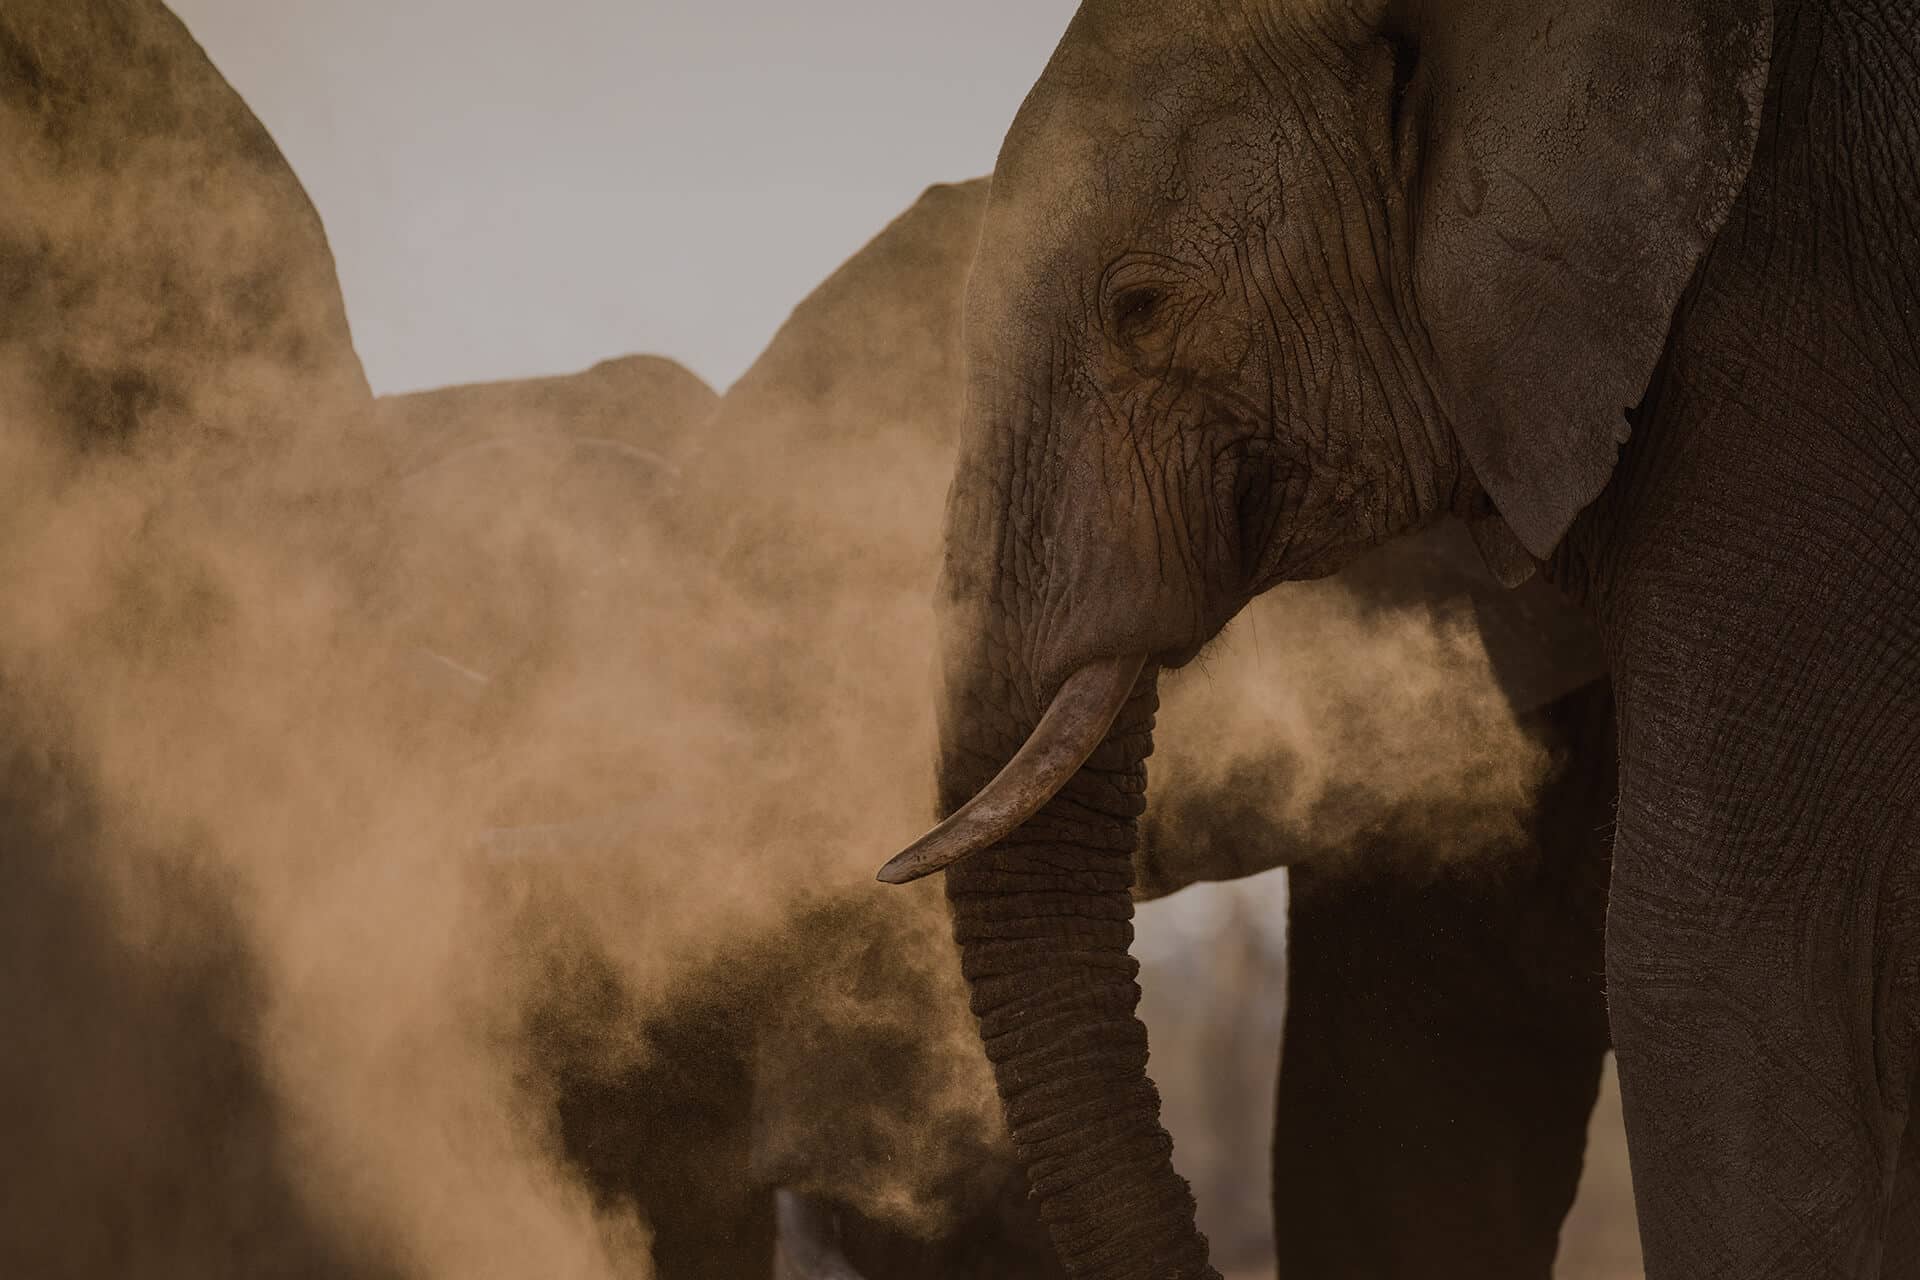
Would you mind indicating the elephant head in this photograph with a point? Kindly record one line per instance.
(1262, 286)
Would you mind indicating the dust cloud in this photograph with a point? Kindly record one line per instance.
(410, 804)
(1325, 720)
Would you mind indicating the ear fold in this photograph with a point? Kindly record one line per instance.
(1576, 158)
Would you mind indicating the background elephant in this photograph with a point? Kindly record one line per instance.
(788, 1061)
(155, 251)
(187, 449)
(526, 503)
(1260, 291)
(156, 244)
(154, 1103)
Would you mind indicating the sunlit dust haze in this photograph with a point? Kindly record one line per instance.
(437, 830)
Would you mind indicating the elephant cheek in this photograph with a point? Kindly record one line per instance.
(1123, 571)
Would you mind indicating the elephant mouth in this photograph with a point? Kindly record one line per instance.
(1075, 724)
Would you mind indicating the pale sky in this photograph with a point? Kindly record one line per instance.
(515, 188)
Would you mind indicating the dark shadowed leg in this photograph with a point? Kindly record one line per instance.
(1761, 927)
(1444, 1043)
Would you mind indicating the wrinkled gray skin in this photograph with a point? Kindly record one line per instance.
(1264, 285)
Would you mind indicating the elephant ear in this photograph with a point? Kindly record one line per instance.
(1575, 159)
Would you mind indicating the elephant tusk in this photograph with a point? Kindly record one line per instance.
(805, 1240)
(1075, 723)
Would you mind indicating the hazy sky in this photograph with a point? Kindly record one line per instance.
(520, 188)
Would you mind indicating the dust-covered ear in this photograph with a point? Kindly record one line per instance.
(1570, 161)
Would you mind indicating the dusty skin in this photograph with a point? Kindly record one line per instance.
(375, 769)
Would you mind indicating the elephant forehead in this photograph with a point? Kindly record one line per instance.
(1153, 124)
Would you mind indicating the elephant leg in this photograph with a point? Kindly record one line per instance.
(1444, 1043)
(1900, 1259)
(1762, 1003)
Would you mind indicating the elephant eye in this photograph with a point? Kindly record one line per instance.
(1135, 310)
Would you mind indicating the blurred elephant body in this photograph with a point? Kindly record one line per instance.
(167, 276)
(528, 506)
(543, 513)
(168, 290)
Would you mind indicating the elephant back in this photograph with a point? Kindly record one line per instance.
(163, 270)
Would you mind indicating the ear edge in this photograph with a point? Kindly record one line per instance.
(1538, 398)
(1504, 556)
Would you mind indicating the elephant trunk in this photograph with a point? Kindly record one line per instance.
(1039, 877)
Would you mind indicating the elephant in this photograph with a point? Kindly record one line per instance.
(646, 403)
(166, 280)
(516, 495)
(1620, 287)
(754, 1130)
